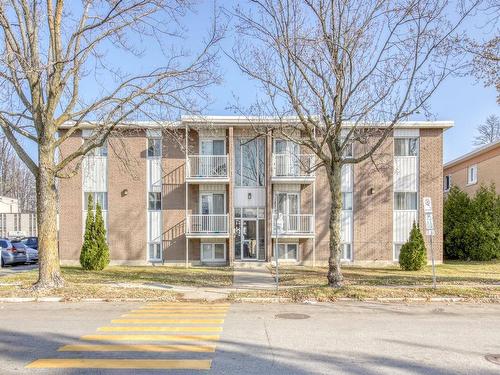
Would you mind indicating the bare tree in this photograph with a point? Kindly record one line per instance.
(346, 71)
(489, 132)
(84, 63)
(16, 180)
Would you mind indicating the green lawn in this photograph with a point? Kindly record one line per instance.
(450, 273)
(103, 284)
(470, 280)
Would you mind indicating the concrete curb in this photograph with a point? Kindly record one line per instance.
(251, 300)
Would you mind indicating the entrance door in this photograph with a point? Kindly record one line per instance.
(249, 243)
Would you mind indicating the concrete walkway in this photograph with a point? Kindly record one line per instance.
(254, 278)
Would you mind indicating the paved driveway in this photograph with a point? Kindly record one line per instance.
(344, 338)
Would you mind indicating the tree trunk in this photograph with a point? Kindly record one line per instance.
(335, 179)
(46, 194)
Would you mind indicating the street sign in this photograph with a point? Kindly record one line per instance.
(429, 230)
(429, 224)
(427, 203)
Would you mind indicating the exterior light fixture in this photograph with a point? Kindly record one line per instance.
(249, 196)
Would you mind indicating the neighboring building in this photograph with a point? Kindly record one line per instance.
(9, 205)
(470, 171)
(13, 223)
(215, 203)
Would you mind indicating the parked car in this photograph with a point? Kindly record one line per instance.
(30, 242)
(11, 254)
(31, 254)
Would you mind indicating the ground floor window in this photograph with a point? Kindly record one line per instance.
(346, 251)
(397, 250)
(154, 251)
(211, 252)
(288, 251)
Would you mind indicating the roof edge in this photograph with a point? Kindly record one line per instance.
(478, 151)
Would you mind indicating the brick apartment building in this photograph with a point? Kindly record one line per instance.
(215, 203)
(476, 168)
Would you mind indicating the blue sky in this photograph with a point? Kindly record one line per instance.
(462, 100)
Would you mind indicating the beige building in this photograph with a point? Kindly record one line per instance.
(215, 203)
(13, 223)
(470, 171)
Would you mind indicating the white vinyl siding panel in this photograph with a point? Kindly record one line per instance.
(346, 183)
(346, 226)
(403, 221)
(94, 171)
(154, 174)
(154, 227)
(405, 173)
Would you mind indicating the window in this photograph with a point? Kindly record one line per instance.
(288, 251)
(212, 147)
(397, 250)
(154, 201)
(211, 252)
(100, 197)
(447, 183)
(346, 252)
(405, 200)
(249, 162)
(346, 201)
(348, 153)
(213, 204)
(472, 174)
(155, 251)
(405, 146)
(154, 147)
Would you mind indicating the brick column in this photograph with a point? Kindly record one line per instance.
(231, 195)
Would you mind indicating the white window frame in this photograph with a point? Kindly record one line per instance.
(155, 259)
(154, 139)
(405, 209)
(342, 257)
(212, 245)
(237, 143)
(286, 244)
(156, 193)
(211, 139)
(201, 193)
(287, 193)
(472, 180)
(408, 139)
(394, 257)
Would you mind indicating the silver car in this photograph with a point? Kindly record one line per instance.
(31, 254)
(10, 254)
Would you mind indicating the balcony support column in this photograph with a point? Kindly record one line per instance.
(186, 187)
(269, 195)
(230, 194)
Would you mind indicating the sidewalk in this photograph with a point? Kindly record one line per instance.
(252, 278)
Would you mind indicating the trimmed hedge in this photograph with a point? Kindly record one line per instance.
(472, 225)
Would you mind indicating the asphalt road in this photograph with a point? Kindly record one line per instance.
(342, 338)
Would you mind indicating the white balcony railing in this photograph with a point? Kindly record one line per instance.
(292, 165)
(207, 166)
(296, 224)
(208, 224)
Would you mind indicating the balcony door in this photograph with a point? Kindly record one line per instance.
(212, 204)
(288, 205)
(213, 161)
(287, 158)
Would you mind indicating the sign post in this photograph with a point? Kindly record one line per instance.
(279, 230)
(429, 231)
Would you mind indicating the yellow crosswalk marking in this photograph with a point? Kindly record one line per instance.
(184, 364)
(154, 315)
(182, 311)
(137, 348)
(160, 329)
(170, 321)
(150, 337)
(181, 304)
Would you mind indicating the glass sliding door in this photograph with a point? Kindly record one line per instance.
(288, 205)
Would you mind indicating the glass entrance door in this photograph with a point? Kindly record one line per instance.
(249, 239)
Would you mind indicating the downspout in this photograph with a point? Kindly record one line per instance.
(186, 173)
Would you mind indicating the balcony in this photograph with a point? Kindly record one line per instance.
(295, 226)
(207, 169)
(207, 226)
(291, 168)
